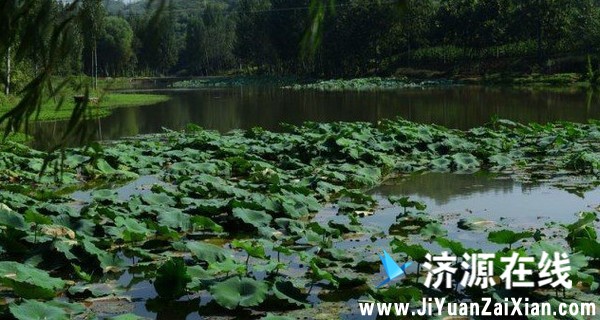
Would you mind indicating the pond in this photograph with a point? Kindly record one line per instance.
(461, 107)
(298, 218)
(501, 200)
(449, 197)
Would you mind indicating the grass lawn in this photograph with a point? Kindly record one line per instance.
(52, 111)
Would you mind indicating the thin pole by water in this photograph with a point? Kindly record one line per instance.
(99, 129)
(95, 66)
(7, 88)
(92, 68)
(99, 124)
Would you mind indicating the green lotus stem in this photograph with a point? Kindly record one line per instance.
(247, 261)
(310, 288)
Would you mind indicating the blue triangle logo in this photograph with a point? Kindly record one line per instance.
(392, 269)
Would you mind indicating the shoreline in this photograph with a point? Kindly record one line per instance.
(103, 108)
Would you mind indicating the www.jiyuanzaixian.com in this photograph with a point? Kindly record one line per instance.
(487, 307)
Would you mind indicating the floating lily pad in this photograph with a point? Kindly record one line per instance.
(474, 223)
(253, 217)
(10, 218)
(239, 292)
(286, 291)
(172, 279)
(207, 252)
(508, 237)
(29, 282)
(35, 310)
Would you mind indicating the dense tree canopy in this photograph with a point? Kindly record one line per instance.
(356, 36)
(115, 46)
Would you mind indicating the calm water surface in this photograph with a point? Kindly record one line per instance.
(460, 107)
(505, 202)
(449, 197)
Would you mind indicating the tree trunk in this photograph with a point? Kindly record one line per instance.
(8, 71)
(95, 66)
(92, 65)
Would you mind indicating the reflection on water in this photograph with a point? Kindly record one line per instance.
(486, 197)
(226, 109)
(517, 204)
(508, 204)
(443, 188)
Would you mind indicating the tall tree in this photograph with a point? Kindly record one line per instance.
(414, 24)
(353, 37)
(8, 71)
(253, 44)
(209, 41)
(194, 55)
(287, 26)
(92, 20)
(28, 27)
(158, 49)
(115, 47)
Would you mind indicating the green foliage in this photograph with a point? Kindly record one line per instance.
(508, 236)
(252, 43)
(9, 218)
(35, 310)
(582, 229)
(363, 84)
(286, 291)
(403, 294)
(209, 42)
(29, 282)
(406, 203)
(415, 252)
(433, 231)
(253, 248)
(256, 218)
(455, 247)
(239, 292)
(320, 38)
(172, 279)
(237, 81)
(158, 47)
(207, 252)
(585, 162)
(243, 217)
(51, 110)
(319, 274)
(115, 48)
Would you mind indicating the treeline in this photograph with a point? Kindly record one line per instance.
(378, 36)
(357, 37)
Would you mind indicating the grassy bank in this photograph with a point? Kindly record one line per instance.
(55, 110)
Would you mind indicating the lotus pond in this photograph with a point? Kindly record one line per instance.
(260, 224)
(242, 107)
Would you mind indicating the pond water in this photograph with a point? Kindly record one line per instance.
(460, 107)
(498, 202)
(449, 197)
(507, 204)
(491, 197)
(501, 200)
